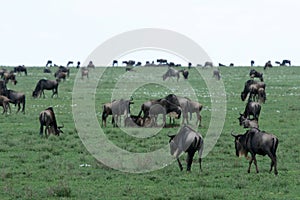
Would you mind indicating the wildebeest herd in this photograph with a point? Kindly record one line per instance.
(188, 139)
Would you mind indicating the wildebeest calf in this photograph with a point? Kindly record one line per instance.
(187, 140)
(258, 142)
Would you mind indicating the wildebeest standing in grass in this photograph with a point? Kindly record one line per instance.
(60, 75)
(20, 68)
(248, 123)
(17, 98)
(171, 73)
(258, 142)
(44, 84)
(185, 73)
(251, 87)
(252, 108)
(255, 74)
(216, 74)
(10, 76)
(47, 118)
(187, 140)
(84, 72)
(4, 102)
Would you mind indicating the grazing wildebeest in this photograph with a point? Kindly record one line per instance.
(187, 140)
(47, 70)
(16, 98)
(60, 75)
(115, 62)
(208, 64)
(162, 106)
(10, 76)
(91, 65)
(19, 69)
(44, 84)
(49, 62)
(84, 72)
(257, 142)
(70, 63)
(221, 65)
(47, 118)
(216, 74)
(252, 108)
(4, 102)
(185, 73)
(248, 123)
(134, 121)
(189, 106)
(284, 62)
(252, 63)
(252, 87)
(171, 73)
(268, 64)
(255, 74)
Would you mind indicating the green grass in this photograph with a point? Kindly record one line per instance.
(33, 167)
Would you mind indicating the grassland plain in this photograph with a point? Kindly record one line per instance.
(34, 168)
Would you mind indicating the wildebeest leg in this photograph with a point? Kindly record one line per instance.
(250, 162)
(255, 163)
(41, 130)
(19, 107)
(180, 165)
(273, 163)
(189, 159)
(198, 118)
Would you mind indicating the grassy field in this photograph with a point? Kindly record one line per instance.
(34, 168)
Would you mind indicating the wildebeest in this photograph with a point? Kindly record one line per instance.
(133, 121)
(3, 87)
(252, 108)
(49, 62)
(208, 64)
(91, 65)
(189, 106)
(62, 69)
(2, 71)
(17, 98)
(115, 62)
(216, 74)
(47, 118)
(258, 142)
(171, 73)
(70, 63)
(248, 123)
(44, 84)
(116, 108)
(60, 75)
(251, 87)
(4, 102)
(129, 62)
(255, 74)
(185, 73)
(10, 76)
(268, 64)
(20, 68)
(84, 72)
(284, 62)
(252, 63)
(47, 70)
(162, 106)
(78, 64)
(187, 140)
(162, 61)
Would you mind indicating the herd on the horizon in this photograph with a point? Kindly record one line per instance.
(188, 139)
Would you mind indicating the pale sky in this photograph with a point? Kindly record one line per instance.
(33, 31)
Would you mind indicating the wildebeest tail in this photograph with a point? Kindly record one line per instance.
(275, 145)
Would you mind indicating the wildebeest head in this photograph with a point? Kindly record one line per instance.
(239, 147)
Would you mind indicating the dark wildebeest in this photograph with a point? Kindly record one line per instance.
(47, 118)
(185, 73)
(60, 75)
(10, 76)
(17, 98)
(284, 62)
(231, 65)
(257, 142)
(221, 65)
(208, 64)
(49, 62)
(4, 102)
(138, 64)
(248, 123)
(115, 62)
(62, 69)
(162, 61)
(216, 74)
(268, 64)
(162, 106)
(255, 74)
(251, 87)
(70, 63)
(44, 84)
(252, 108)
(47, 70)
(187, 140)
(78, 64)
(20, 68)
(106, 112)
(252, 63)
(171, 73)
(3, 87)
